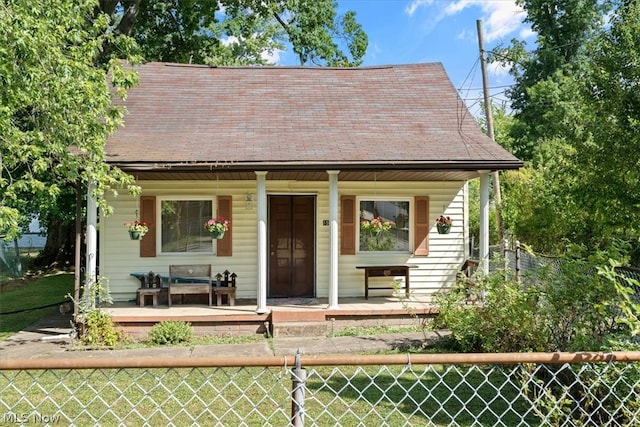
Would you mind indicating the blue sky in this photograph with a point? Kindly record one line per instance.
(414, 31)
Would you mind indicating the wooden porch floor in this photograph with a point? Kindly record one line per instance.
(242, 318)
(347, 306)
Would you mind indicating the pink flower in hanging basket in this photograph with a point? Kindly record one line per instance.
(138, 227)
(217, 225)
(444, 220)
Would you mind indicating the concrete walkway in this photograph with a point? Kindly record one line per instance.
(50, 338)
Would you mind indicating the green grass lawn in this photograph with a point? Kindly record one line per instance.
(335, 395)
(40, 292)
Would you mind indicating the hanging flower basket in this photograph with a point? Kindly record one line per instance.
(217, 227)
(216, 234)
(443, 228)
(443, 224)
(137, 229)
(135, 235)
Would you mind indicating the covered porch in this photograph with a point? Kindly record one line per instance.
(284, 317)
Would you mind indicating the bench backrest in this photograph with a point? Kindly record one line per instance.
(186, 271)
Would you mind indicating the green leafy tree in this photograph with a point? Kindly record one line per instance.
(584, 184)
(56, 109)
(55, 106)
(607, 141)
(564, 29)
(239, 32)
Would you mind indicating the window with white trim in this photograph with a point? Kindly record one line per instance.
(182, 225)
(384, 225)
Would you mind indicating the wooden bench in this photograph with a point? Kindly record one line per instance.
(385, 271)
(190, 279)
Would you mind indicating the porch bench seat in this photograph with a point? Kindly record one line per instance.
(385, 271)
(190, 279)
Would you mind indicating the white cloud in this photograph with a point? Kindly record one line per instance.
(272, 57)
(497, 69)
(526, 33)
(415, 5)
(229, 41)
(500, 17)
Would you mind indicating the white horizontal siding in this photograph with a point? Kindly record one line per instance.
(446, 252)
(119, 256)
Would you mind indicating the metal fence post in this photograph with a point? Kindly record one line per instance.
(517, 260)
(505, 256)
(298, 378)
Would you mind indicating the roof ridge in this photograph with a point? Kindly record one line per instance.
(290, 67)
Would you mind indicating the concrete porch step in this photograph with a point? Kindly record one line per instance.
(299, 329)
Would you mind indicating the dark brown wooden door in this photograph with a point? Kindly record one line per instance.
(291, 246)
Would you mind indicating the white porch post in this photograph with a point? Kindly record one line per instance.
(333, 239)
(261, 196)
(92, 238)
(484, 221)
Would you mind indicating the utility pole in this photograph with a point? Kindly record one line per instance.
(497, 196)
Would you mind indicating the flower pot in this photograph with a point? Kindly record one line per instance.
(135, 235)
(217, 234)
(443, 228)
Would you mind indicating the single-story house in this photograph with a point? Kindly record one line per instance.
(303, 162)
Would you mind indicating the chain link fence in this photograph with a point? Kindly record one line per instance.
(521, 389)
(14, 253)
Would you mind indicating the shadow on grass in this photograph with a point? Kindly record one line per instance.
(420, 395)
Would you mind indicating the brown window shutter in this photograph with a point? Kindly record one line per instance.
(148, 215)
(224, 245)
(348, 225)
(421, 226)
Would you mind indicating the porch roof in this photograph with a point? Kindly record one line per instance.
(190, 118)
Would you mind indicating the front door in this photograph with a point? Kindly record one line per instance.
(291, 246)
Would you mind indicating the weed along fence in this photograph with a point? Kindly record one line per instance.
(509, 389)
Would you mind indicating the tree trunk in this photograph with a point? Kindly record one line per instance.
(59, 250)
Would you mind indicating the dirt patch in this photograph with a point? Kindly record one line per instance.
(26, 280)
(20, 282)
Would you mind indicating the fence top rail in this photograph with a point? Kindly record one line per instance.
(322, 360)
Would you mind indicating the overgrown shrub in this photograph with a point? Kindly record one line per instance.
(582, 304)
(568, 308)
(99, 329)
(95, 326)
(579, 306)
(170, 332)
(599, 393)
(585, 394)
(503, 322)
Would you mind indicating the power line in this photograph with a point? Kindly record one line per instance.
(490, 87)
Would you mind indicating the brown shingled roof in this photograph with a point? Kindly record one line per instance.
(329, 117)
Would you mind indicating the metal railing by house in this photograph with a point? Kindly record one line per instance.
(510, 389)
